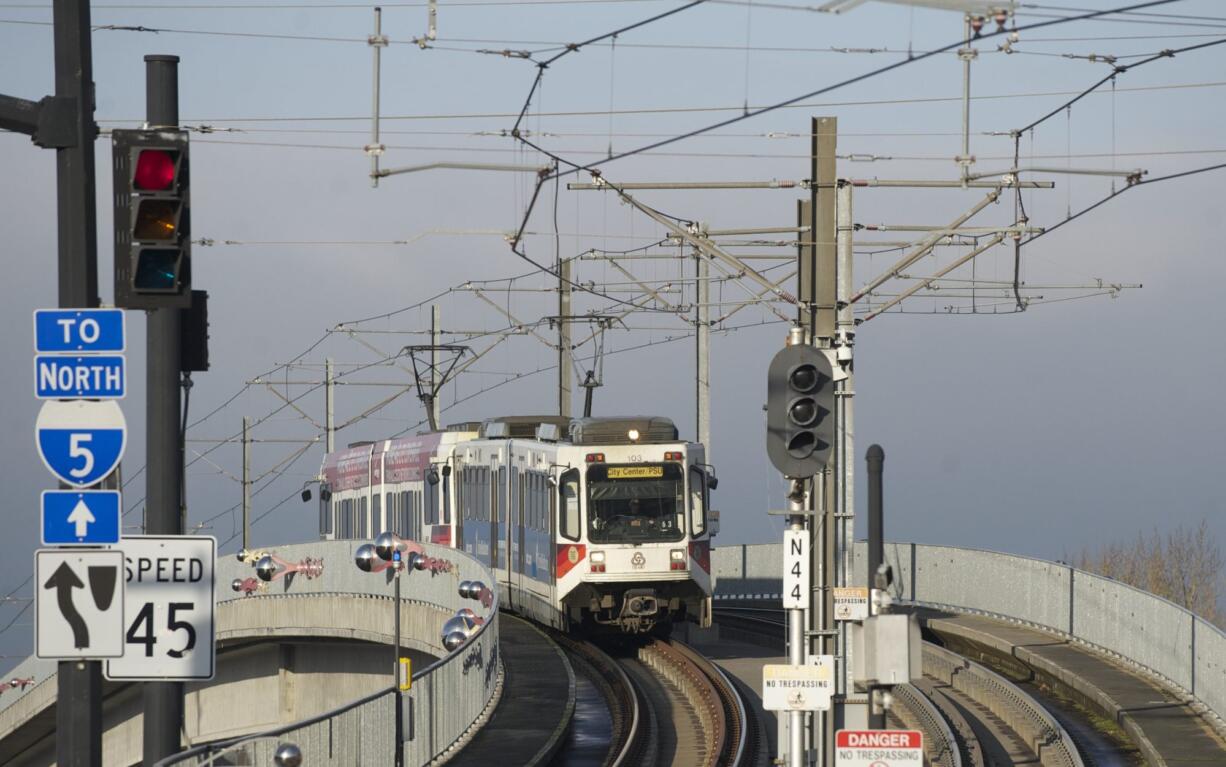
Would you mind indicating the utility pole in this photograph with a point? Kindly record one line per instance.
(566, 375)
(163, 701)
(247, 483)
(434, 344)
(702, 335)
(65, 122)
(329, 418)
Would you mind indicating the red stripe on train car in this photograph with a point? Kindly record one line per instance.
(569, 555)
(700, 552)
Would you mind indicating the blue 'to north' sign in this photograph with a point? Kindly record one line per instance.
(95, 376)
(78, 330)
(81, 441)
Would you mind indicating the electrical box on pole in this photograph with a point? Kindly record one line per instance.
(800, 429)
(152, 219)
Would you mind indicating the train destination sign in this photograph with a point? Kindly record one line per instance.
(878, 748)
(636, 472)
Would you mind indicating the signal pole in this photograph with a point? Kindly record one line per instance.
(163, 701)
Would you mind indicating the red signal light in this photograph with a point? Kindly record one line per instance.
(155, 170)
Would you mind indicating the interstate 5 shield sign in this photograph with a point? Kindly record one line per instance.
(81, 441)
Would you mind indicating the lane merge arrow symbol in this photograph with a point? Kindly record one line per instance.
(83, 588)
(64, 580)
(80, 518)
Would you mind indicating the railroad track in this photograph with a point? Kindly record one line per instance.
(669, 704)
(970, 716)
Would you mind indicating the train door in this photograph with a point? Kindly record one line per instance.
(521, 543)
(494, 484)
(513, 520)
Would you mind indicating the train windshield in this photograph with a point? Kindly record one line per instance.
(636, 503)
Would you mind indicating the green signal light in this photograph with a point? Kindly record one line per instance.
(157, 270)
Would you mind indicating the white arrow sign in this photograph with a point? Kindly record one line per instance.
(81, 516)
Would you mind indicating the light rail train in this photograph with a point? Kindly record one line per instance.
(589, 523)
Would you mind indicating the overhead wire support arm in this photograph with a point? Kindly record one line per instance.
(433, 365)
(929, 280)
(708, 247)
(926, 245)
(464, 166)
(974, 183)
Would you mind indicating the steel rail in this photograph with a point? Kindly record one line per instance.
(630, 741)
(738, 723)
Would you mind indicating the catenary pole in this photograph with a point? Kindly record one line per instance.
(818, 271)
(702, 335)
(566, 375)
(163, 701)
(329, 412)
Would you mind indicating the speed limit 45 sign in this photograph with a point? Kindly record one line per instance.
(168, 607)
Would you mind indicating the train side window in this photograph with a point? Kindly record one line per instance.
(446, 485)
(698, 501)
(325, 515)
(363, 519)
(430, 502)
(568, 492)
(376, 513)
(502, 503)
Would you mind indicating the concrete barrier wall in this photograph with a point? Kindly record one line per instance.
(1151, 632)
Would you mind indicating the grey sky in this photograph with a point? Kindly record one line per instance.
(1037, 433)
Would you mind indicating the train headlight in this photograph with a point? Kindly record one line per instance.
(633, 434)
(596, 559)
(676, 559)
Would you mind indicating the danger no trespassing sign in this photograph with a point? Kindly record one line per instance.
(879, 748)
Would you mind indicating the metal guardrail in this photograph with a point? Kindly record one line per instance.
(1025, 716)
(1148, 632)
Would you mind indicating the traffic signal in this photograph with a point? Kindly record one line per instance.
(799, 411)
(152, 219)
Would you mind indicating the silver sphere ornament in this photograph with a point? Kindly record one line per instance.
(364, 557)
(385, 546)
(287, 755)
(266, 568)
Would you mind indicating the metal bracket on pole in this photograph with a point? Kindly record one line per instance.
(433, 365)
(49, 122)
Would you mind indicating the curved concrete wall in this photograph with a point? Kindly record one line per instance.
(1148, 631)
